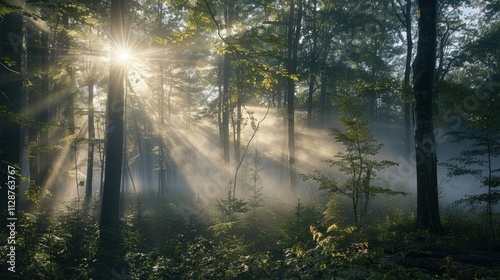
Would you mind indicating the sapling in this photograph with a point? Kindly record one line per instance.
(356, 162)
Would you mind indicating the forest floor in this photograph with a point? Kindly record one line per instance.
(451, 262)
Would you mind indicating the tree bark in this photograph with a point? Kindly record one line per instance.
(91, 138)
(409, 51)
(312, 65)
(229, 13)
(11, 82)
(293, 43)
(45, 159)
(405, 21)
(425, 143)
(161, 160)
(109, 252)
(114, 127)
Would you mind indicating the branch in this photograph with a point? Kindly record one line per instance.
(246, 148)
(13, 71)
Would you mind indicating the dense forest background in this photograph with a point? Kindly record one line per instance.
(298, 139)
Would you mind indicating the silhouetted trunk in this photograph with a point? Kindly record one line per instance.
(38, 138)
(44, 154)
(322, 98)
(148, 146)
(293, 44)
(237, 133)
(34, 99)
(409, 51)
(91, 138)
(405, 20)
(109, 255)
(11, 82)
(425, 143)
(312, 65)
(225, 84)
(161, 159)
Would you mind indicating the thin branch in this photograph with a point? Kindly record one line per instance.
(13, 71)
(246, 148)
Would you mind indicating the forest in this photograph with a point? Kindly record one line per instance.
(250, 139)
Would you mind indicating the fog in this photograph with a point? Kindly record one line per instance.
(196, 178)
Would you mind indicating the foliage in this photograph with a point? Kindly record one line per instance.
(255, 198)
(356, 162)
(479, 160)
(231, 205)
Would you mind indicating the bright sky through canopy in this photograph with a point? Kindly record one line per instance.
(123, 56)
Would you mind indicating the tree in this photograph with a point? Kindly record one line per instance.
(405, 20)
(425, 142)
(294, 26)
(356, 162)
(109, 231)
(482, 129)
(91, 135)
(114, 125)
(255, 191)
(226, 94)
(11, 82)
(478, 161)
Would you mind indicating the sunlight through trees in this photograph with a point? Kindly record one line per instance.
(152, 139)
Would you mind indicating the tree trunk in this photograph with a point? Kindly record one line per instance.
(409, 51)
(34, 98)
(11, 82)
(237, 139)
(425, 143)
(312, 66)
(109, 252)
(114, 126)
(229, 13)
(91, 135)
(293, 44)
(161, 159)
(44, 113)
(323, 98)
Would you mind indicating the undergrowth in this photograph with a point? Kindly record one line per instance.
(161, 243)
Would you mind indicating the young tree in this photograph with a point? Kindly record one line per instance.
(255, 191)
(425, 142)
(483, 132)
(357, 162)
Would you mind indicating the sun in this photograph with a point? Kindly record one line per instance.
(123, 56)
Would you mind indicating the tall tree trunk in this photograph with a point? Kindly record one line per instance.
(11, 82)
(312, 65)
(405, 21)
(114, 127)
(44, 112)
(34, 48)
(425, 143)
(161, 161)
(323, 97)
(237, 139)
(109, 253)
(229, 13)
(293, 44)
(91, 137)
(38, 107)
(409, 51)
